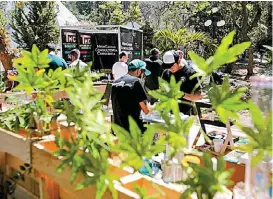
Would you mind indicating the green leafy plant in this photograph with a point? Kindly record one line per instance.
(207, 179)
(176, 129)
(32, 78)
(142, 192)
(88, 152)
(167, 39)
(223, 55)
(259, 137)
(3, 83)
(227, 103)
(135, 145)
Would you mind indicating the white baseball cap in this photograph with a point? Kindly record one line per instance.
(170, 57)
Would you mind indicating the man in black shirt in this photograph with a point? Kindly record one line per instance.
(174, 66)
(128, 95)
(154, 64)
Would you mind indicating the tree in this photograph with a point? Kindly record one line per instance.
(249, 19)
(34, 22)
(247, 26)
(133, 13)
(181, 39)
(148, 34)
(6, 53)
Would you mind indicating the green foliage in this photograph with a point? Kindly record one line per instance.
(135, 145)
(133, 13)
(93, 137)
(2, 82)
(222, 56)
(106, 12)
(148, 34)
(6, 52)
(182, 38)
(110, 12)
(205, 180)
(31, 74)
(227, 103)
(259, 137)
(142, 192)
(34, 22)
(169, 96)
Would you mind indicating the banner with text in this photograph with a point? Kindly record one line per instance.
(105, 47)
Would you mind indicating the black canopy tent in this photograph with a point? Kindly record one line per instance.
(101, 44)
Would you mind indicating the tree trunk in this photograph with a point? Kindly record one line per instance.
(6, 60)
(250, 62)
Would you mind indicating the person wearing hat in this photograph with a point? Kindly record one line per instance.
(174, 66)
(128, 95)
(75, 58)
(56, 61)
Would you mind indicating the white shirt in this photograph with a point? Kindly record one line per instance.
(82, 65)
(119, 69)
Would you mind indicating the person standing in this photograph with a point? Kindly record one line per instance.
(128, 95)
(154, 64)
(120, 68)
(56, 61)
(181, 72)
(75, 58)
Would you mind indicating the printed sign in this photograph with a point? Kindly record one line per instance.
(85, 47)
(69, 42)
(131, 42)
(126, 39)
(137, 45)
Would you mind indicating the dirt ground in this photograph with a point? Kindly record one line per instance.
(237, 79)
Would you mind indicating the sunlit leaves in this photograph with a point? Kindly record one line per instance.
(167, 94)
(205, 180)
(136, 145)
(174, 127)
(227, 103)
(223, 55)
(259, 137)
(35, 58)
(166, 39)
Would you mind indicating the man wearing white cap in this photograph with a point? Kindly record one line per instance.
(174, 66)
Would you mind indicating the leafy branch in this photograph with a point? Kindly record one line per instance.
(259, 137)
(207, 179)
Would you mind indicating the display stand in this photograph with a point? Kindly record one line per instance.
(229, 139)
